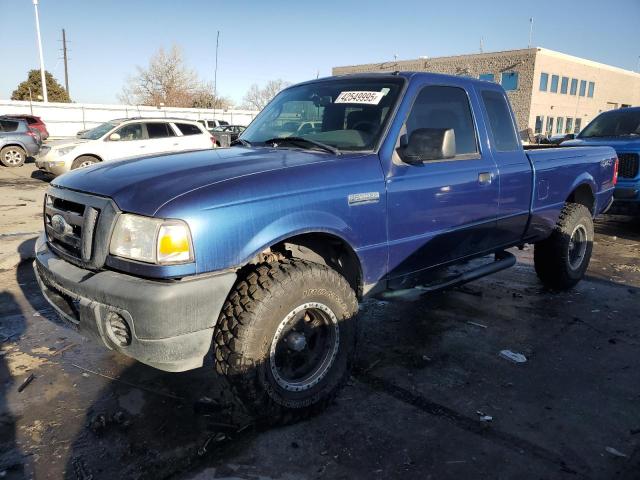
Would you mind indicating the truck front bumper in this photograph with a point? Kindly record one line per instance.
(165, 324)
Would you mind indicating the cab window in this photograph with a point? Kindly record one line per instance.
(441, 107)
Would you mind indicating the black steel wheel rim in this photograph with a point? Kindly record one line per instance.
(304, 347)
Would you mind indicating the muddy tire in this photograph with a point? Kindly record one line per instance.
(562, 259)
(13, 156)
(285, 339)
(83, 161)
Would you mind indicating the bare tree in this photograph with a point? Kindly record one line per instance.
(204, 97)
(257, 98)
(168, 80)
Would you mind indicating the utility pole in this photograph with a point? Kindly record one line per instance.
(530, 32)
(42, 76)
(66, 68)
(215, 73)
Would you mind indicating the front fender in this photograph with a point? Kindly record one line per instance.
(293, 224)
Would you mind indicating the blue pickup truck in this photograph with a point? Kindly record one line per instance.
(260, 253)
(619, 129)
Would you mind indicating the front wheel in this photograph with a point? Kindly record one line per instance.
(562, 259)
(285, 339)
(83, 161)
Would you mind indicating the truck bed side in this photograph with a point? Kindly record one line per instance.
(562, 172)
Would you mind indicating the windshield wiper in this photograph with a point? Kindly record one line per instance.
(301, 140)
(241, 141)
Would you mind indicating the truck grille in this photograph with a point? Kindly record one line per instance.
(628, 166)
(78, 226)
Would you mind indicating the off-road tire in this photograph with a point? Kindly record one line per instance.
(13, 156)
(552, 256)
(242, 339)
(83, 161)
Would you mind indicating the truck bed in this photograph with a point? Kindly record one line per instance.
(558, 171)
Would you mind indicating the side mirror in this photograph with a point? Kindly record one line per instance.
(427, 144)
(569, 136)
(114, 137)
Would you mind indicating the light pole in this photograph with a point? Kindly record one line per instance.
(42, 77)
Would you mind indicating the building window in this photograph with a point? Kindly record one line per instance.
(564, 85)
(539, 122)
(576, 130)
(559, 125)
(583, 87)
(574, 86)
(549, 130)
(590, 91)
(487, 77)
(569, 128)
(544, 80)
(509, 80)
(554, 83)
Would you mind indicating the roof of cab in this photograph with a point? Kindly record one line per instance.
(404, 74)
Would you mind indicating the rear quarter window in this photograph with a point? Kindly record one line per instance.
(500, 122)
(188, 129)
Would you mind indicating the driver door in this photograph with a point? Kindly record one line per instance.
(443, 209)
(133, 142)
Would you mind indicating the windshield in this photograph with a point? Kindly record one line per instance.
(613, 124)
(99, 131)
(345, 114)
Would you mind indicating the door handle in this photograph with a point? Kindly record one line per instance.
(485, 178)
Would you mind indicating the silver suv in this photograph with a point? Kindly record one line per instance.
(17, 142)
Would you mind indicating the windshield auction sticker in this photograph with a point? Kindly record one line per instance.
(368, 98)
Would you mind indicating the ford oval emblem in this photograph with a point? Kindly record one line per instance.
(60, 225)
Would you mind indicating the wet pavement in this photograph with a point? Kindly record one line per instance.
(430, 398)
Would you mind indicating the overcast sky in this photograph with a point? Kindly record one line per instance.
(294, 40)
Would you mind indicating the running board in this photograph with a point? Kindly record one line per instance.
(503, 260)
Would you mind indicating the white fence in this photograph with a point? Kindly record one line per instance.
(65, 119)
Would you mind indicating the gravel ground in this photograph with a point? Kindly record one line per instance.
(428, 373)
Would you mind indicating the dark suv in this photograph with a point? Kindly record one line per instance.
(17, 142)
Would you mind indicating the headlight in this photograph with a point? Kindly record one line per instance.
(151, 240)
(64, 150)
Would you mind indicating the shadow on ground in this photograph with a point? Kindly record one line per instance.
(11, 456)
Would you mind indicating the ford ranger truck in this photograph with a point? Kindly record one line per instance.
(619, 129)
(258, 254)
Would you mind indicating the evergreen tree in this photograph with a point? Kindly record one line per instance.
(55, 91)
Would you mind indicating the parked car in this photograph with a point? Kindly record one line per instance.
(17, 142)
(125, 138)
(619, 129)
(262, 251)
(210, 124)
(34, 122)
(226, 134)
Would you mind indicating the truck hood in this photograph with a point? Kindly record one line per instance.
(143, 185)
(618, 143)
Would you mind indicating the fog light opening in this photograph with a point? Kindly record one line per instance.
(118, 329)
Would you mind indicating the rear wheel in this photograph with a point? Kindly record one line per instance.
(285, 339)
(13, 156)
(83, 161)
(562, 259)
